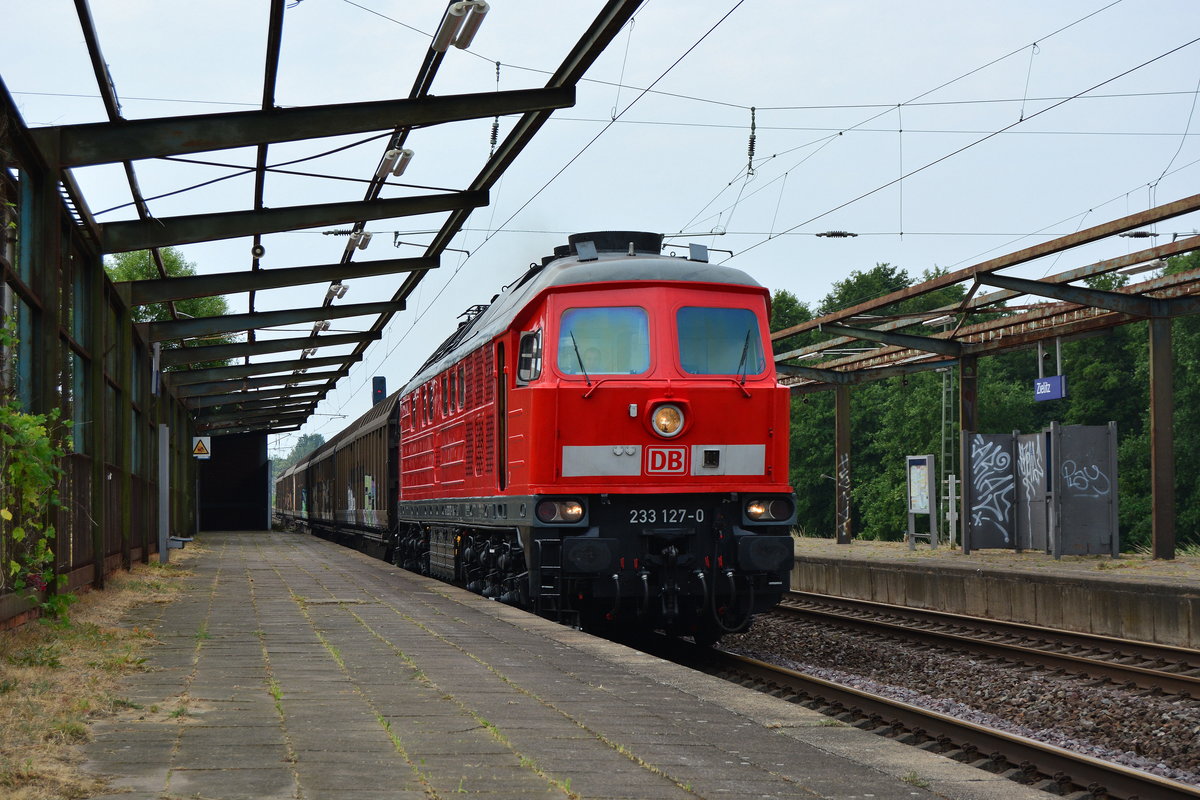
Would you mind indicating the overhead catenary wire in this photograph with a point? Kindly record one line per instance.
(977, 142)
(963, 76)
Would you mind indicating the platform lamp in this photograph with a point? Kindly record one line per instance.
(460, 25)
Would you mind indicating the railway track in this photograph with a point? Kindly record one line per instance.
(1147, 666)
(1043, 766)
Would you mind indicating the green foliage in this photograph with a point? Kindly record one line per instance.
(31, 451)
(304, 445)
(140, 265)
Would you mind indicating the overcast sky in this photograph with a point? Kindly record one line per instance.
(1071, 113)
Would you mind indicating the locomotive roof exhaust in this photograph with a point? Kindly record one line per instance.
(613, 242)
(587, 246)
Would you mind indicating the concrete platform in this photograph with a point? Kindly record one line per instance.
(1133, 597)
(293, 668)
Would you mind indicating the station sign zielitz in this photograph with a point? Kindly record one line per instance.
(1052, 388)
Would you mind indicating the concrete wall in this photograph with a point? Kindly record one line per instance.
(1144, 611)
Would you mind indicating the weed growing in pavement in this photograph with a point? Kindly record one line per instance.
(61, 673)
(913, 779)
(45, 655)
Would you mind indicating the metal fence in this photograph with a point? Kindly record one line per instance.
(79, 354)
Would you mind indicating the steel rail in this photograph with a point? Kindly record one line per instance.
(1089, 773)
(1145, 677)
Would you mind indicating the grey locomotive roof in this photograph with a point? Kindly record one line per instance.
(567, 271)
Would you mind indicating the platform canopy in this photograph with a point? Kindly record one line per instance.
(248, 394)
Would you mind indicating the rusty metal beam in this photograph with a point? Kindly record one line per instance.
(826, 379)
(251, 424)
(1162, 441)
(968, 304)
(222, 352)
(297, 392)
(307, 401)
(217, 387)
(268, 429)
(232, 323)
(144, 292)
(905, 340)
(254, 415)
(1039, 322)
(1113, 301)
(132, 140)
(968, 395)
(1095, 233)
(117, 237)
(185, 377)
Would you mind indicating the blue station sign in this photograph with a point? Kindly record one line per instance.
(1052, 388)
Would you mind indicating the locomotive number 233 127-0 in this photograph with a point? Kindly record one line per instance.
(668, 515)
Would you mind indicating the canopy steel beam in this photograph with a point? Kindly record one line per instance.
(232, 323)
(1095, 233)
(308, 402)
(185, 377)
(216, 387)
(830, 377)
(1126, 304)
(264, 429)
(118, 237)
(297, 392)
(131, 140)
(976, 303)
(222, 352)
(144, 292)
(907, 340)
(262, 421)
(254, 415)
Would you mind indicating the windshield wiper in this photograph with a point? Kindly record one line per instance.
(741, 370)
(579, 358)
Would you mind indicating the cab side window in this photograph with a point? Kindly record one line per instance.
(529, 357)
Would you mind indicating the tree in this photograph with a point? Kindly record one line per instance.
(139, 265)
(304, 445)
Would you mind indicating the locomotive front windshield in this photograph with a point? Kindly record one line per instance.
(719, 341)
(604, 341)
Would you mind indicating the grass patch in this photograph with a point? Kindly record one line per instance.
(57, 676)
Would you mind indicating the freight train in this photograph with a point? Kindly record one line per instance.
(604, 444)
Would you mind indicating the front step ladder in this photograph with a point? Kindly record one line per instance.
(549, 603)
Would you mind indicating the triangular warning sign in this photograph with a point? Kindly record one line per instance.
(200, 449)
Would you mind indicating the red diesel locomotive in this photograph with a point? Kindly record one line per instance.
(605, 443)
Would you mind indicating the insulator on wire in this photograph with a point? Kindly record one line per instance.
(750, 147)
(495, 135)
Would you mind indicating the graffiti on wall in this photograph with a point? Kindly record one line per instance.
(992, 487)
(843, 494)
(1085, 481)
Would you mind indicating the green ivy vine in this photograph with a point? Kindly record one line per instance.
(31, 452)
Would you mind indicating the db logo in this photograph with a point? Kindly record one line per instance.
(666, 461)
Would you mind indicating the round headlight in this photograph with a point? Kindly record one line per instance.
(570, 511)
(667, 420)
(758, 509)
(768, 509)
(560, 511)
